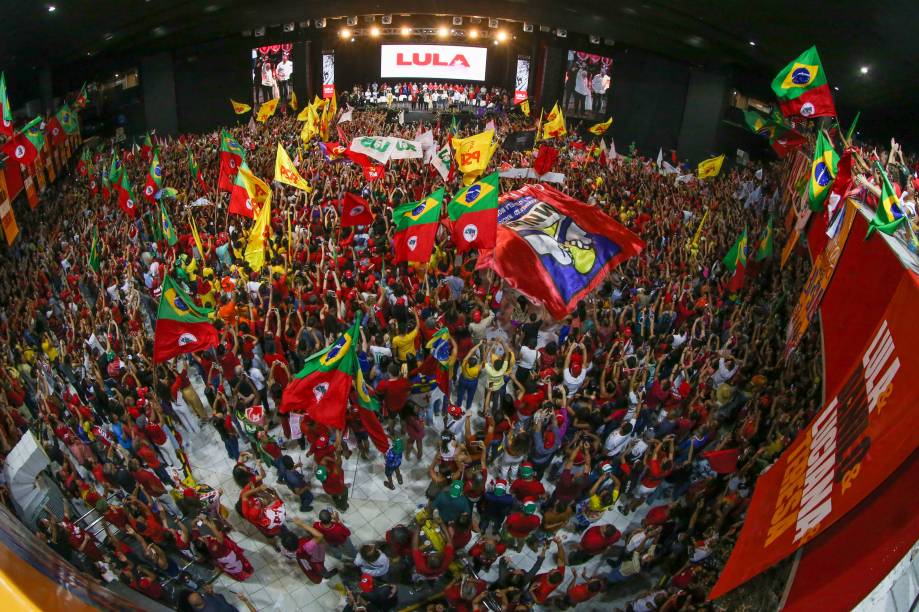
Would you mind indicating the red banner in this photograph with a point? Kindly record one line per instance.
(818, 281)
(863, 434)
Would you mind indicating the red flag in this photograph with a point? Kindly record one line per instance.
(555, 249)
(54, 131)
(545, 159)
(375, 430)
(842, 182)
(355, 211)
(787, 142)
(723, 461)
(21, 149)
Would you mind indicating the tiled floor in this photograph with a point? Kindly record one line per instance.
(279, 584)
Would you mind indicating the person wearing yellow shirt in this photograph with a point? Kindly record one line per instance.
(468, 381)
(497, 367)
(49, 349)
(403, 345)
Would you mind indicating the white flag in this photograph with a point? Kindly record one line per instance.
(660, 156)
(346, 115)
(405, 149)
(442, 161)
(379, 148)
(401, 117)
(612, 149)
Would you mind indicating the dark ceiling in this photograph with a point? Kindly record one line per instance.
(715, 33)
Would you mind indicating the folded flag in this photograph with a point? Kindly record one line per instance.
(249, 193)
(823, 171)
(239, 108)
(599, 129)
(416, 226)
(555, 249)
(473, 154)
(266, 110)
(181, 326)
(802, 88)
(473, 214)
(710, 167)
(321, 389)
(889, 214)
(285, 171)
(355, 211)
(231, 156)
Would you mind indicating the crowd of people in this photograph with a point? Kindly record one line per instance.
(551, 430)
(431, 95)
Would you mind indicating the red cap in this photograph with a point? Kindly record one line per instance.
(322, 442)
(477, 316)
(366, 583)
(189, 492)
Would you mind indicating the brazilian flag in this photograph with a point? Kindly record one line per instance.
(168, 230)
(181, 326)
(823, 171)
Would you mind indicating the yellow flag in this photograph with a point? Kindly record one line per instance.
(293, 100)
(555, 124)
(305, 113)
(600, 128)
(310, 125)
(285, 171)
(258, 190)
(473, 154)
(695, 239)
(333, 104)
(194, 233)
(710, 167)
(239, 108)
(266, 110)
(525, 107)
(317, 101)
(538, 128)
(255, 248)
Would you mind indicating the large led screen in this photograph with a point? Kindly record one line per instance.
(433, 62)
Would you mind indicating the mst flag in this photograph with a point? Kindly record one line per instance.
(82, 98)
(239, 108)
(545, 159)
(249, 193)
(710, 167)
(555, 249)
(473, 154)
(599, 129)
(285, 171)
(736, 262)
(266, 110)
(54, 131)
(802, 89)
(889, 214)
(154, 178)
(195, 172)
(126, 200)
(416, 227)
(181, 327)
(6, 113)
(355, 211)
(25, 145)
(473, 214)
(321, 389)
(231, 157)
(823, 171)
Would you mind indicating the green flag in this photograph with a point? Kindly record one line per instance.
(823, 171)
(68, 120)
(889, 215)
(169, 231)
(6, 113)
(737, 256)
(94, 252)
(764, 249)
(35, 132)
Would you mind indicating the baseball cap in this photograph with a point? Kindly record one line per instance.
(366, 583)
(454, 410)
(322, 442)
(321, 474)
(606, 466)
(526, 470)
(456, 489)
(529, 505)
(500, 487)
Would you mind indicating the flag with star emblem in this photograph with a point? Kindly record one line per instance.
(473, 214)
(285, 171)
(802, 88)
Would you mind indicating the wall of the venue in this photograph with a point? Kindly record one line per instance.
(205, 80)
(705, 101)
(157, 78)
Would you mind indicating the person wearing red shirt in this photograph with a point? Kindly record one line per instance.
(519, 525)
(433, 564)
(527, 485)
(336, 535)
(585, 591)
(595, 541)
(485, 552)
(462, 592)
(394, 392)
(330, 474)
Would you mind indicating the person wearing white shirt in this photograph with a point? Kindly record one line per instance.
(727, 367)
(617, 440)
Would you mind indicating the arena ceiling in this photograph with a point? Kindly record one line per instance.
(759, 36)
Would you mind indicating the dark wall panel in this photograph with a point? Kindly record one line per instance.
(157, 79)
(648, 95)
(705, 102)
(205, 80)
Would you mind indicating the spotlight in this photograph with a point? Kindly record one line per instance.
(594, 40)
(406, 31)
(527, 27)
(492, 23)
(386, 19)
(863, 70)
(752, 43)
(374, 31)
(502, 35)
(51, 8)
(457, 21)
(320, 23)
(352, 21)
(494, 42)
(473, 33)
(345, 33)
(289, 27)
(259, 31)
(561, 33)
(442, 32)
